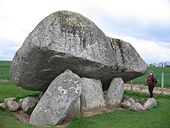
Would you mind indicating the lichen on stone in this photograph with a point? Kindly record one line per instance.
(72, 20)
(119, 43)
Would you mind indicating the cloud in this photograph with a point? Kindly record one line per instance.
(150, 51)
(8, 49)
(142, 21)
(145, 11)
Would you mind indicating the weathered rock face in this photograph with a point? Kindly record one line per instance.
(2, 105)
(126, 104)
(69, 40)
(137, 107)
(28, 104)
(92, 94)
(58, 99)
(150, 103)
(115, 92)
(11, 104)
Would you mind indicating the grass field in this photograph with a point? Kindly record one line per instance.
(7, 120)
(5, 71)
(157, 71)
(11, 90)
(155, 118)
(128, 119)
(122, 118)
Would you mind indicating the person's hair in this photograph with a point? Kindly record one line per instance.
(151, 71)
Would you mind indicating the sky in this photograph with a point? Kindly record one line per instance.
(143, 23)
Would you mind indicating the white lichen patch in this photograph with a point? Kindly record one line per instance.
(76, 89)
(62, 90)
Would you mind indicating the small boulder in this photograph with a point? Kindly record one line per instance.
(150, 103)
(115, 92)
(131, 100)
(20, 103)
(126, 104)
(9, 99)
(58, 100)
(137, 107)
(2, 105)
(11, 104)
(92, 93)
(28, 104)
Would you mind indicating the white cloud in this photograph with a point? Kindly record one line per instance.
(150, 51)
(19, 17)
(144, 11)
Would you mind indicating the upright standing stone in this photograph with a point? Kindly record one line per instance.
(92, 93)
(58, 99)
(115, 92)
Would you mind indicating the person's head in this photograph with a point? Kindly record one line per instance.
(151, 72)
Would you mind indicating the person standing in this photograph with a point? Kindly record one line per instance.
(151, 82)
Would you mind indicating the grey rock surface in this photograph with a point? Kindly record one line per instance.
(28, 104)
(20, 103)
(115, 92)
(137, 107)
(58, 99)
(92, 94)
(11, 104)
(2, 105)
(76, 109)
(126, 104)
(131, 100)
(150, 103)
(68, 40)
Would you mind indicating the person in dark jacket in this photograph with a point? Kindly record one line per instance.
(151, 82)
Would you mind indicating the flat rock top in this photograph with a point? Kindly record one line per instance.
(68, 40)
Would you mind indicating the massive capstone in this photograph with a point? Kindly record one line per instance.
(68, 40)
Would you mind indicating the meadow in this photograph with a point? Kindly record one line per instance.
(120, 118)
(157, 71)
(5, 71)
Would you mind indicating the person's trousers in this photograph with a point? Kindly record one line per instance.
(151, 90)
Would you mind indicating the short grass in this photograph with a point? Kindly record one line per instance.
(11, 90)
(7, 120)
(5, 74)
(5, 70)
(155, 118)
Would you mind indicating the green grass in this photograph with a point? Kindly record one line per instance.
(8, 89)
(11, 90)
(156, 118)
(157, 71)
(5, 74)
(5, 70)
(7, 120)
